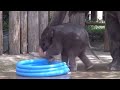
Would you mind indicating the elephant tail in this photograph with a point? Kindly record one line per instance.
(90, 48)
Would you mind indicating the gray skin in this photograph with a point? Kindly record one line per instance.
(69, 40)
(113, 28)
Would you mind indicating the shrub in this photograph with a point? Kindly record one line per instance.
(96, 33)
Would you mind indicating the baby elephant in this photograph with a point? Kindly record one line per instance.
(69, 40)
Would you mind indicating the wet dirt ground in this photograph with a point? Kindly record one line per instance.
(8, 62)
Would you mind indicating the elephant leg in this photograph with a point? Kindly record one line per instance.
(113, 28)
(64, 56)
(72, 62)
(115, 53)
(88, 64)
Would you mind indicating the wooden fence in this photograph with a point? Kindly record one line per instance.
(25, 28)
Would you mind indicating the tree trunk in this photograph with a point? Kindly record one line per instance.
(43, 20)
(103, 15)
(66, 19)
(23, 23)
(1, 34)
(51, 15)
(14, 32)
(58, 17)
(87, 15)
(33, 31)
(106, 40)
(78, 18)
(93, 15)
(48, 16)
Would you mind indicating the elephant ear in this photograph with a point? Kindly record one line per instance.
(48, 32)
(46, 38)
(45, 34)
(51, 32)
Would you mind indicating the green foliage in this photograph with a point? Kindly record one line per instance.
(95, 29)
(96, 33)
(98, 21)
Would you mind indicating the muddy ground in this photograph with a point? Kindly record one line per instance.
(8, 62)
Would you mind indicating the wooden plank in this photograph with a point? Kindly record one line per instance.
(106, 42)
(14, 32)
(1, 34)
(33, 31)
(23, 31)
(57, 17)
(93, 15)
(66, 19)
(78, 18)
(43, 21)
(50, 15)
(44, 17)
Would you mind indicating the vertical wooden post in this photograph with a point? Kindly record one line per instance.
(50, 15)
(57, 18)
(1, 34)
(87, 15)
(44, 17)
(103, 15)
(66, 19)
(23, 33)
(94, 15)
(106, 42)
(43, 21)
(33, 31)
(106, 39)
(14, 32)
(78, 18)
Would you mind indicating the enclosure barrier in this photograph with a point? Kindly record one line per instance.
(25, 28)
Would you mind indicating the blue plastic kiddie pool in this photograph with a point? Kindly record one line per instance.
(41, 68)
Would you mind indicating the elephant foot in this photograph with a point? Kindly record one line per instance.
(114, 66)
(73, 69)
(112, 63)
